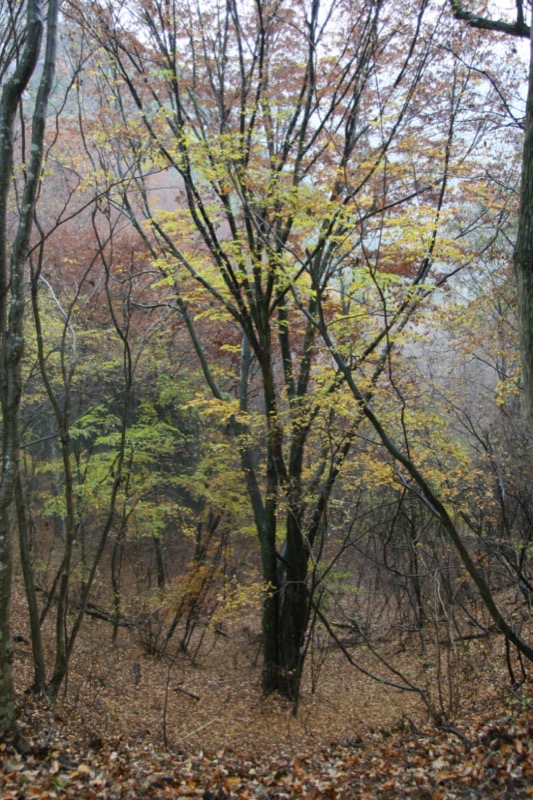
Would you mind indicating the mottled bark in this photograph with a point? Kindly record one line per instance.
(11, 315)
(8, 725)
(12, 264)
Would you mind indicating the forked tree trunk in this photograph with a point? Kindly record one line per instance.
(12, 263)
(294, 618)
(11, 311)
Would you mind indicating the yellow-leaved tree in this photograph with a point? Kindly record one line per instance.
(319, 164)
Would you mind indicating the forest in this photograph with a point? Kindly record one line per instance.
(266, 389)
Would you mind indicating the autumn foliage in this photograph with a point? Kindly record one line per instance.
(266, 415)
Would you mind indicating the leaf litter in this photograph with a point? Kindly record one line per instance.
(202, 731)
(491, 758)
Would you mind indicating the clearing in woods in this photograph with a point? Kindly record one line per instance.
(132, 726)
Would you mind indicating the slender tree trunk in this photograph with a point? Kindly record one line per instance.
(68, 522)
(116, 561)
(523, 255)
(8, 723)
(39, 674)
(160, 562)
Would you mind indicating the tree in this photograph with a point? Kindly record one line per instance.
(21, 47)
(523, 253)
(292, 143)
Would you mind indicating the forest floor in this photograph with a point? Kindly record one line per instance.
(130, 726)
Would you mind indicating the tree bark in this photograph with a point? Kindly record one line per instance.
(39, 674)
(523, 255)
(12, 261)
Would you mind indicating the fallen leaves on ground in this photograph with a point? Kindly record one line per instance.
(478, 759)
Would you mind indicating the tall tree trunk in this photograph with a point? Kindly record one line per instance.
(12, 262)
(294, 614)
(271, 606)
(523, 255)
